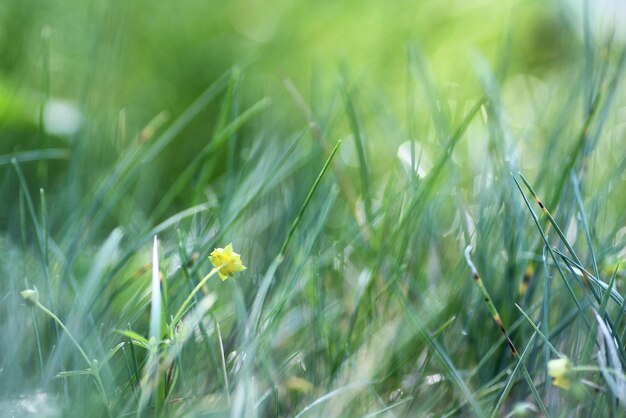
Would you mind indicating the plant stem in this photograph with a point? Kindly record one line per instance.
(67, 331)
(92, 365)
(296, 221)
(183, 307)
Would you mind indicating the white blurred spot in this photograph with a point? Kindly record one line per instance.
(577, 271)
(348, 152)
(470, 225)
(61, 117)
(571, 231)
(434, 378)
(414, 158)
(359, 211)
(36, 404)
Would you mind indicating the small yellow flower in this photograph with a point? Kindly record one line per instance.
(560, 370)
(228, 260)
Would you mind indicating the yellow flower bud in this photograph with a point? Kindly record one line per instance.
(30, 296)
(560, 371)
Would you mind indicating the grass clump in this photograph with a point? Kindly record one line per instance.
(356, 298)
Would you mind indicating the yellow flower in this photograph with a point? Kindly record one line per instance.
(228, 260)
(559, 370)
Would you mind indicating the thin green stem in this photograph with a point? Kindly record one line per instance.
(296, 221)
(96, 375)
(92, 365)
(64, 328)
(187, 301)
(552, 254)
(536, 328)
(223, 359)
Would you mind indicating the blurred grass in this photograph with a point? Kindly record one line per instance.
(207, 123)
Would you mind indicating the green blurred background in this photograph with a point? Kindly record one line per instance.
(118, 65)
(144, 58)
(148, 57)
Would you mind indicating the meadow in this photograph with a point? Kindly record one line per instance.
(288, 209)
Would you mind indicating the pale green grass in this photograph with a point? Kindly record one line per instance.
(357, 300)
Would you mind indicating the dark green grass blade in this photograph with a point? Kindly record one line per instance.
(520, 365)
(218, 140)
(441, 354)
(35, 155)
(496, 317)
(583, 218)
(40, 230)
(588, 283)
(552, 254)
(538, 332)
(364, 170)
(607, 294)
(296, 221)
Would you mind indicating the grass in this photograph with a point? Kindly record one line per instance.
(357, 299)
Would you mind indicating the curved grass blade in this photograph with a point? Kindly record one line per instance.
(441, 354)
(296, 221)
(496, 317)
(520, 364)
(35, 155)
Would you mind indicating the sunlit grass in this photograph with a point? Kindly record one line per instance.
(356, 298)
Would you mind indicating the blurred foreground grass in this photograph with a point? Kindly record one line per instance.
(124, 123)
